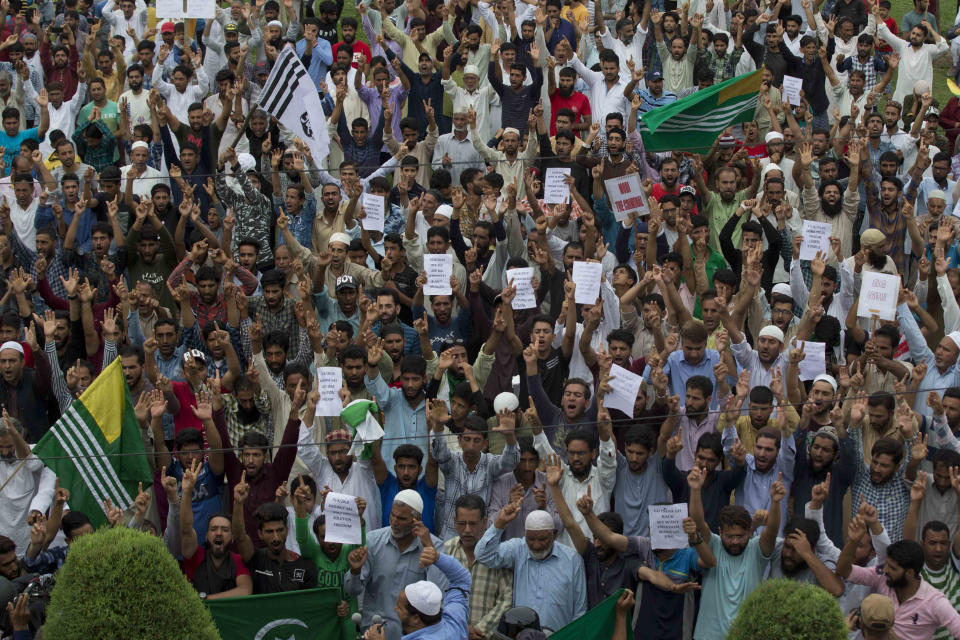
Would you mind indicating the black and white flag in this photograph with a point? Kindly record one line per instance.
(290, 96)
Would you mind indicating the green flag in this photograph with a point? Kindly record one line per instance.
(294, 615)
(95, 448)
(595, 624)
(694, 122)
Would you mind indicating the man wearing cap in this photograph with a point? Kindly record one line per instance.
(471, 95)
(873, 618)
(391, 561)
(25, 393)
(547, 576)
(938, 185)
(336, 467)
(651, 91)
(345, 307)
(333, 264)
(767, 358)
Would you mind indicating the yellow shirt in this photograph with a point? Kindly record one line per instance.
(748, 434)
(576, 15)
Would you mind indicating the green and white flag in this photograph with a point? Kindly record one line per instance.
(694, 122)
(358, 416)
(95, 448)
(294, 615)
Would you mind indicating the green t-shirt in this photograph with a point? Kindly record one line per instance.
(718, 213)
(726, 585)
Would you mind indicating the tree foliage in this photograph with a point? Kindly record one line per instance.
(788, 610)
(120, 584)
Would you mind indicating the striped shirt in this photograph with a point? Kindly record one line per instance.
(947, 581)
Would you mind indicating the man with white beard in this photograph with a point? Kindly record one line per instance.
(547, 576)
(454, 151)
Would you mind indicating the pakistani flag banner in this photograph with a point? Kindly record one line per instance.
(95, 448)
(596, 624)
(294, 615)
(694, 122)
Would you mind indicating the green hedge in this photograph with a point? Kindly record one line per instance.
(788, 610)
(123, 584)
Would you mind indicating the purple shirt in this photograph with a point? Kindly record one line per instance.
(371, 98)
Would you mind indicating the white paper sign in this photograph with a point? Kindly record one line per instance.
(329, 382)
(626, 195)
(555, 190)
(587, 276)
(878, 295)
(439, 268)
(194, 9)
(814, 362)
(373, 212)
(343, 521)
(816, 237)
(626, 386)
(521, 278)
(792, 86)
(666, 526)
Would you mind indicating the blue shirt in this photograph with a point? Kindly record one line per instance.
(563, 30)
(678, 371)
(456, 609)
(920, 352)
(385, 574)
(402, 423)
(555, 587)
(84, 242)
(411, 339)
(391, 487)
(321, 57)
(11, 145)
(634, 492)
(458, 327)
(301, 224)
(726, 585)
(206, 495)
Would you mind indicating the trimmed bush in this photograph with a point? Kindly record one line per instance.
(788, 610)
(119, 584)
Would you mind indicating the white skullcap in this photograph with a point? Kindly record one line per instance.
(937, 193)
(425, 597)
(444, 210)
(921, 87)
(953, 335)
(782, 289)
(275, 23)
(772, 331)
(340, 237)
(825, 377)
(139, 144)
(772, 136)
(471, 70)
(770, 167)
(538, 521)
(512, 130)
(12, 344)
(505, 400)
(246, 162)
(412, 499)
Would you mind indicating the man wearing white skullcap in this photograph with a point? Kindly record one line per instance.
(942, 370)
(25, 392)
(424, 610)
(391, 561)
(767, 359)
(547, 576)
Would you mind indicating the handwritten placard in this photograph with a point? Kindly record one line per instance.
(626, 386)
(626, 196)
(816, 237)
(666, 526)
(814, 361)
(343, 519)
(329, 383)
(555, 188)
(373, 212)
(439, 268)
(878, 295)
(587, 277)
(792, 86)
(522, 279)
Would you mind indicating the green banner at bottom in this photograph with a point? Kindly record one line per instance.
(295, 615)
(595, 624)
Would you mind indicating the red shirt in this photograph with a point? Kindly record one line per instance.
(358, 48)
(185, 418)
(576, 102)
(659, 191)
(191, 564)
(758, 150)
(894, 29)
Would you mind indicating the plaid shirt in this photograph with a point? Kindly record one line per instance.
(283, 319)
(891, 499)
(459, 480)
(491, 590)
(724, 68)
(871, 69)
(102, 156)
(236, 429)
